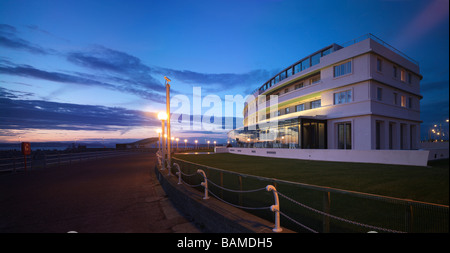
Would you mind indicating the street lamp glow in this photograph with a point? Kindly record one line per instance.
(162, 116)
(158, 131)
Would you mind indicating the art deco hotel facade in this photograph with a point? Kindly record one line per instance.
(362, 95)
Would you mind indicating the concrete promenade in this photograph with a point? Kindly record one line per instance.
(109, 195)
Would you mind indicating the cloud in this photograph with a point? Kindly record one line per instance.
(37, 114)
(433, 14)
(219, 82)
(80, 79)
(128, 69)
(133, 72)
(9, 39)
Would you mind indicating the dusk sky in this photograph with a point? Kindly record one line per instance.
(89, 70)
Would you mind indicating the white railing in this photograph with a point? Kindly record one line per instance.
(274, 208)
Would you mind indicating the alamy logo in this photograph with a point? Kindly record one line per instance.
(211, 113)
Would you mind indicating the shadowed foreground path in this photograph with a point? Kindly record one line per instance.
(116, 194)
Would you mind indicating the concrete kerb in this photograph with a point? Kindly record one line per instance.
(212, 215)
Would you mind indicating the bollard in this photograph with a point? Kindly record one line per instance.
(179, 172)
(275, 208)
(169, 168)
(204, 184)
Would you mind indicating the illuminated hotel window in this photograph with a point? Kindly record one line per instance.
(298, 86)
(300, 107)
(344, 134)
(315, 79)
(402, 75)
(403, 101)
(315, 104)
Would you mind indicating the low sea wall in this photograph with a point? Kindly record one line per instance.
(212, 215)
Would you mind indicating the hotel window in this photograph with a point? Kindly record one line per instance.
(409, 103)
(379, 65)
(286, 90)
(325, 52)
(305, 64)
(286, 110)
(289, 72)
(409, 78)
(403, 101)
(298, 86)
(278, 112)
(343, 97)
(315, 79)
(315, 59)
(379, 94)
(395, 99)
(343, 69)
(402, 75)
(344, 135)
(276, 79)
(315, 104)
(297, 68)
(395, 71)
(299, 108)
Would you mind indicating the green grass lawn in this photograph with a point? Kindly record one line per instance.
(427, 184)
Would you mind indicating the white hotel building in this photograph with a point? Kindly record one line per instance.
(362, 95)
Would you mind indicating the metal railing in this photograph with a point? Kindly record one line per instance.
(308, 207)
(43, 160)
(380, 41)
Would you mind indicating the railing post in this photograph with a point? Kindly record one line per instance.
(326, 209)
(275, 208)
(409, 218)
(179, 172)
(169, 168)
(204, 184)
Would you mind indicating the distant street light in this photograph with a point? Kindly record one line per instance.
(177, 139)
(196, 144)
(185, 142)
(208, 144)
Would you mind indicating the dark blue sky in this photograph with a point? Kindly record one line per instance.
(92, 69)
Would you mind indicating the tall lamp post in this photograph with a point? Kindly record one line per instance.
(163, 116)
(185, 143)
(168, 119)
(177, 139)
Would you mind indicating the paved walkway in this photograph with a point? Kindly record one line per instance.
(109, 195)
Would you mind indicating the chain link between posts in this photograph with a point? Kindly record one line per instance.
(283, 214)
